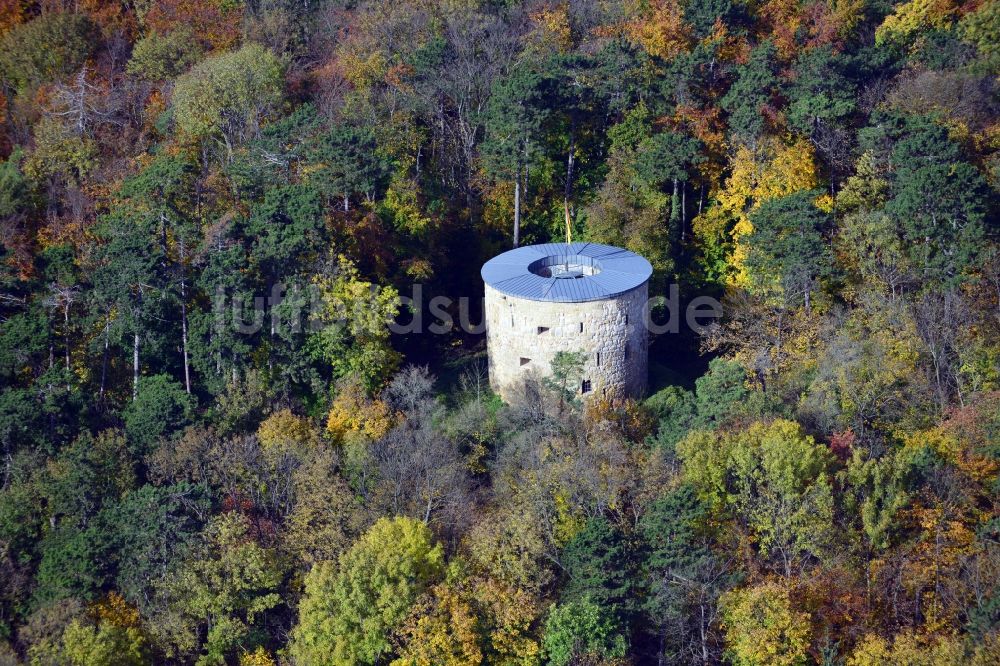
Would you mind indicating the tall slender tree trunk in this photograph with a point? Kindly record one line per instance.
(517, 206)
(570, 158)
(272, 303)
(675, 203)
(66, 332)
(684, 198)
(66, 339)
(104, 358)
(218, 357)
(702, 626)
(184, 323)
(184, 343)
(135, 365)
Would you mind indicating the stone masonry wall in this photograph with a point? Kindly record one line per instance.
(523, 336)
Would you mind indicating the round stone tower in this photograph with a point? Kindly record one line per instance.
(577, 297)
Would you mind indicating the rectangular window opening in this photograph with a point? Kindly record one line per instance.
(543, 329)
(525, 360)
(585, 388)
(598, 359)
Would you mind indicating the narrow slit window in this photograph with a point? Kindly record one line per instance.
(598, 359)
(626, 319)
(585, 388)
(525, 360)
(581, 327)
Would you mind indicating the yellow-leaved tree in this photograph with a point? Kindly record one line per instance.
(285, 431)
(353, 335)
(442, 630)
(772, 478)
(763, 628)
(660, 28)
(470, 620)
(354, 416)
(775, 168)
(112, 633)
(909, 649)
(911, 18)
(352, 607)
(259, 657)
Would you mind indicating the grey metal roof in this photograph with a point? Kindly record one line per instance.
(620, 271)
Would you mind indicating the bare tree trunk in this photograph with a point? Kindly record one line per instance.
(184, 323)
(675, 203)
(684, 198)
(135, 366)
(704, 635)
(66, 332)
(517, 206)
(568, 193)
(104, 359)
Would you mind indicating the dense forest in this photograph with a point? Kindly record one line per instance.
(190, 473)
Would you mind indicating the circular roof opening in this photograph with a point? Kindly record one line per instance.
(566, 273)
(565, 266)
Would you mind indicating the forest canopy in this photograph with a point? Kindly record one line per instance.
(217, 447)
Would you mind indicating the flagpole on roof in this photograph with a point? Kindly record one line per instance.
(569, 228)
